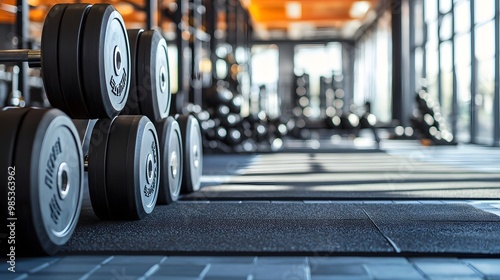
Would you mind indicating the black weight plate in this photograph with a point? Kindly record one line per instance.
(153, 78)
(98, 148)
(132, 107)
(49, 56)
(193, 153)
(69, 61)
(10, 122)
(49, 180)
(106, 56)
(132, 167)
(169, 135)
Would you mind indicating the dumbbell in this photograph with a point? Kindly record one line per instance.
(193, 153)
(220, 133)
(85, 59)
(368, 120)
(218, 94)
(41, 163)
(235, 104)
(15, 97)
(124, 167)
(278, 127)
(150, 80)
(247, 146)
(349, 121)
(233, 137)
(334, 122)
(246, 128)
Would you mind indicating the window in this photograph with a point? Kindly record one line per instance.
(446, 68)
(484, 10)
(373, 68)
(451, 69)
(317, 61)
(485, 88)
(445, 6)
(462, 17)
(446, 30)
(265, 73)
(463, 78)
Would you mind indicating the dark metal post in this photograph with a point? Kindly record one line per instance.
(182, 60)
(401, 93)
(454, 103)
(473, 80)
(151, 9)
(496, 104)
(22, 35)
(211, 18)
(196, 83)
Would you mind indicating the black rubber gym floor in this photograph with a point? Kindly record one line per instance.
(293, 228)
(310, 204)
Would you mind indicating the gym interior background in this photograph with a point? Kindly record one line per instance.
(338, 140)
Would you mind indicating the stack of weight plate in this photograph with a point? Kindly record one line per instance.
(179, 136)
(89, 70)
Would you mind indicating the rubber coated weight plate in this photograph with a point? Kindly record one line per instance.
(132, 107)
(132, 167)
(169, 134)
(97, 168)
(49, 181)
(10, 122)
(106, 56)
(193, 153)
(69, 59)
(153, 81)
(49, 56)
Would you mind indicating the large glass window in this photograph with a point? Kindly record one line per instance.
(373, 70)
(419, 44)
(446, 63)
(463, 78)
(432, 68)
(431, 11)
(484, 10)
(445, 6)
(432, 48)
(265, 74)
(446, 30)
(457, 68)
(462, 16)
(317, 61)
(485, 90)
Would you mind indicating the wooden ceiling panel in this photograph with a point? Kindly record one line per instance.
(41, 7)
(272, 15)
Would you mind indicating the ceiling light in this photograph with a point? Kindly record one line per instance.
(359, 9)
(293, 10)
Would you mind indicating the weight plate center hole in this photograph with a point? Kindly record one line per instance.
(163, 79)
(63, 183)
(149, 168)
(174, 164)
(117, 56)
(196, 156)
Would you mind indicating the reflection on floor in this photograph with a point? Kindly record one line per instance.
(404, 171)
